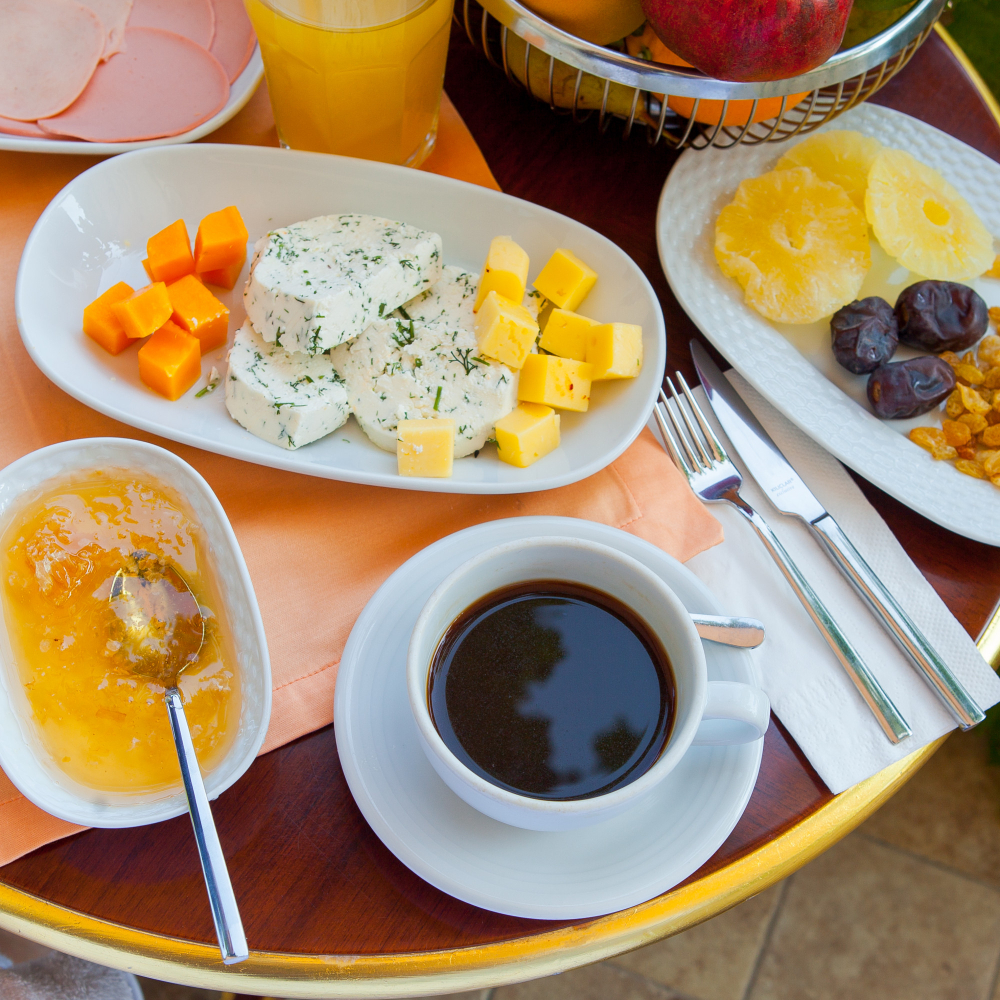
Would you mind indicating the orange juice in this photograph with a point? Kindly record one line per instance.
(356, 77)
(104, 726)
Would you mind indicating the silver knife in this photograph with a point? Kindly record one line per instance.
(790, 495)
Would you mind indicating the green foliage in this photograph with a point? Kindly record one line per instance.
(975, 25)
(992, 727)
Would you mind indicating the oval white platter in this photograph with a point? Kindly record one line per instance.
(94, 234)
(565, 875)
(793, 367)
(240, 91)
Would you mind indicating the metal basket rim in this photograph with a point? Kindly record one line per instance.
(630, 71)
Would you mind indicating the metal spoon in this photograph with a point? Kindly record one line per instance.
(747, 633)
(161, 629)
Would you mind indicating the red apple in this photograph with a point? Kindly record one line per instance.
(750, 39)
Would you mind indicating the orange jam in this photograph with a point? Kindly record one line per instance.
(106, 727)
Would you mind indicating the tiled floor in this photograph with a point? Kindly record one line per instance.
(908, 906)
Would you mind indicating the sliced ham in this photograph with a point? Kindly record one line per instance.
(194, 19)
(8, 126)
(234, 38)
(161, 85)
(48, 52)
(113, 15)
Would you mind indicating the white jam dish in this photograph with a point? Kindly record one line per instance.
(24, 756)
(705, 713)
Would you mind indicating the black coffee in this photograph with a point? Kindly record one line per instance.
(553, 690)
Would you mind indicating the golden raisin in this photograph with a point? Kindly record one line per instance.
(969, 373)
(994, 312)
(991, 436)
(976, 422)
(933, 440)
(994, 271)
(951, 357)
(968, 468)
(954, 406)
(989, 346)
(966, 451)
(992, 378)
(992, 417)
(971, 400)
(990, 461)
(956, 433)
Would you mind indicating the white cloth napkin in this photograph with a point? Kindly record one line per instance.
(810, 692)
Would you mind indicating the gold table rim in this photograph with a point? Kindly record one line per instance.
(409, 974)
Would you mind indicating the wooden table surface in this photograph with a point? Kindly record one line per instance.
(311, 877)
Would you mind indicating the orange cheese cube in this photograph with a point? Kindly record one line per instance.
(225, 277)
(144, 311)
(169, 253)
(170, 361)
(221, 241)
(102, 325)
(199, 312)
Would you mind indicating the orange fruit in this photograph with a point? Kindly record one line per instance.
(600, 21)
(796, 244)
(648, 46)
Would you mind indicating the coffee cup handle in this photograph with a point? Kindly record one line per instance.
(734, 713)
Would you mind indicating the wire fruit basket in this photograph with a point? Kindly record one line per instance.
(678, 106)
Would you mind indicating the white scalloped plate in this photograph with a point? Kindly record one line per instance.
(793, 367)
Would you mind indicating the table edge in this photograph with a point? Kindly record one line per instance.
(426, 973)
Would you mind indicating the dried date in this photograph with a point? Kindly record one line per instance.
(865, 334)
(908, 388)
(940, 316)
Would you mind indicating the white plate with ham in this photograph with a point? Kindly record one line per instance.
(94, 235)
(108, 76)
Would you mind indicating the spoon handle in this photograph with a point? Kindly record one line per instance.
(225, 913)
(745, 632)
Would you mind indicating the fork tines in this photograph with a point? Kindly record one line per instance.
(693, 450)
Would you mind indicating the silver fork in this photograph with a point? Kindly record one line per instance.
(697, 452)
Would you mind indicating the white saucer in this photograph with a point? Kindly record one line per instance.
(556, 876)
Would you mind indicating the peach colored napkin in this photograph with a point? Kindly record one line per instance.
(320, 528)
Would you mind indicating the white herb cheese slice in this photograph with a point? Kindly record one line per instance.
(403, 370)
(451, 298)
(319, 283)
(287, 399)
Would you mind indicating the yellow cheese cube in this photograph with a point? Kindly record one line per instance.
(555, 382)
(566, 334)
(505, 271)
(615, 350)
(526, 434)
(505, 331)
(425, 447)
(565, 280)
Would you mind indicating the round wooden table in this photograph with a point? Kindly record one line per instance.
(328, 910)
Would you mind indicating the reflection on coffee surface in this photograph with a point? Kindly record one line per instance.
(553, 690)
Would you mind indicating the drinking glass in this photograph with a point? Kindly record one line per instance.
(356, 77)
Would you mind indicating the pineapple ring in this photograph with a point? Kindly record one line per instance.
(796, 244)
(922, 221)
(840, 156)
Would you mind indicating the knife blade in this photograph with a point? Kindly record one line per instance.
(790, 495)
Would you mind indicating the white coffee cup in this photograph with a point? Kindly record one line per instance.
(706, 712)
